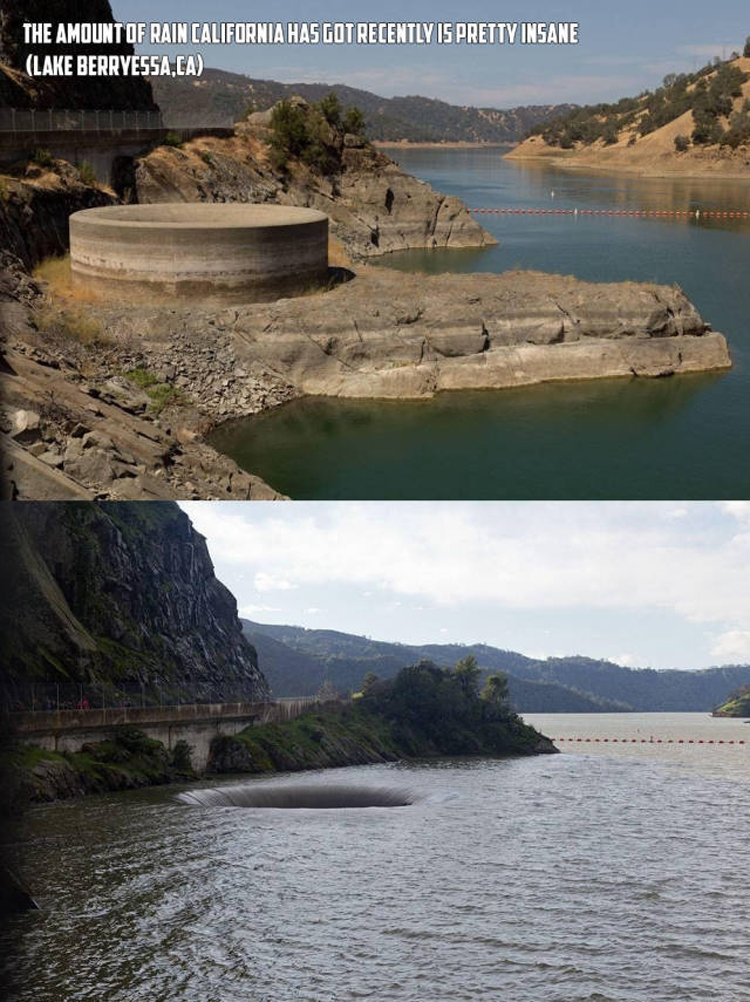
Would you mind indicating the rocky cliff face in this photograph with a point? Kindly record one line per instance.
(374, 206)
(35, 211)
(20, 91)
(123, 595)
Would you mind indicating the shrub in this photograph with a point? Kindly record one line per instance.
(354, 121)
(42, 158)
(181, 759)
(288, 132)
(75, 323)
(86, 173)
(681, 143)
(173, 139)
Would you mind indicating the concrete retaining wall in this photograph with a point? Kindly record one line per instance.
(230, 251)
(98, 148)
(198, 724)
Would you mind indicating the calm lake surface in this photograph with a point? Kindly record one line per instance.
(611, 875)
(686, 437)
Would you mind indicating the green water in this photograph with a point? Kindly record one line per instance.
(685, 437)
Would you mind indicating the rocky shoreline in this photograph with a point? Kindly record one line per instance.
(114, 400)
(125, 416)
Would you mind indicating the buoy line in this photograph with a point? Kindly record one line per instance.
(656, 741)
(696, 214)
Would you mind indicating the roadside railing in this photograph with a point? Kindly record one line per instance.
(45, 697)
(38, 120)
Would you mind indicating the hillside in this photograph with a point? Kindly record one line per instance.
(737, 705)
(117, 597)
(695, 123)
(222, 95)
(297, 662)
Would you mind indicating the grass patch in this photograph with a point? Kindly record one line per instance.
(73, 323)
(142, 377)
(42, 158)
(86, 173)
(161, 394)
(56, 275)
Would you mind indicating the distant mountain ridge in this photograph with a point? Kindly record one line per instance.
(297, 662)
(414, 119)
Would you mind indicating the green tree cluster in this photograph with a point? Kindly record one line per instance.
(444, 707)
(313, 133)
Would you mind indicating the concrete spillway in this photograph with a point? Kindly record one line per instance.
(288, 797)
(233, 252)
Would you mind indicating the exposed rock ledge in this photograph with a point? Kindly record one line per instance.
(384, 334)
(389, 334)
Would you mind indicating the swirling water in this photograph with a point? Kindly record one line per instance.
(685, 437)
(609, 877)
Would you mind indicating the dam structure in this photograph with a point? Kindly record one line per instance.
(231, 252)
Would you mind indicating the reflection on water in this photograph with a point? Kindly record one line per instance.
(683, 437)
(604, 438)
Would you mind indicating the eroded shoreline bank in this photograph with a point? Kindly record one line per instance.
(127, 415)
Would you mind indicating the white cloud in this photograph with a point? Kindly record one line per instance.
(732, 646)
(248, 611)
(737, 509)
(690, 561)
(269, 582)
(626, 660)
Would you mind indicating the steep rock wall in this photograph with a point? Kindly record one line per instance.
(120, 593)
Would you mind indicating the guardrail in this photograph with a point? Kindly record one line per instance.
(43, 697)
(18, 120)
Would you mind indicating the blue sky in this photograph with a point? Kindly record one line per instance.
(652, 584)
(624, 48)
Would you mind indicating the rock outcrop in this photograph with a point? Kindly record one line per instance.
(73, 426)
(390, 334)
(35, 209)
(117, 595)
(374, 206)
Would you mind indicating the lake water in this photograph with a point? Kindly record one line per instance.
(685, 437)
(610, 875)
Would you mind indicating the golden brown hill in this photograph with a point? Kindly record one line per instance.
(654, 154)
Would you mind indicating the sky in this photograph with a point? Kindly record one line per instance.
(645, 584)
(624, 48)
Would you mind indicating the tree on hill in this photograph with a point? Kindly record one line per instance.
(709, 93)
(312, 133)
(441, 706)
(495, 691)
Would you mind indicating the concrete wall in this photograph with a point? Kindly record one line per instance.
(100, 149)
(228, 251)
(198, 724)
